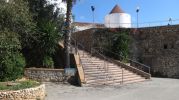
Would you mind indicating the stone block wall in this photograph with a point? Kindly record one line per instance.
(157, 47)
(36, 93)
(84, 38)
(45, 75)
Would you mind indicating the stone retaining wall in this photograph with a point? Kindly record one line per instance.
(45, 75)
(157, 47)
(36, 93)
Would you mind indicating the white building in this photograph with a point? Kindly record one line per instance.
(59, 5)
(117, 18)
(80, 26)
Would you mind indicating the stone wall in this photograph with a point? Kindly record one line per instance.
(157, 47)
(84, 38)
(36, 93)
(45, 75)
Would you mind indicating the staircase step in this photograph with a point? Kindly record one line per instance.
(134, 81)
(117, 81)
(116, 77)
(95, 70)
(107, 81)
(99, 72)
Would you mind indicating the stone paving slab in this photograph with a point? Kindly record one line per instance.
(156, 89)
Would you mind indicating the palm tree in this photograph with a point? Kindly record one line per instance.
(68, 30)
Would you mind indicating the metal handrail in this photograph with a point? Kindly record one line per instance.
(89, 60)
(130, 61)
(98, 66)
(105, 60)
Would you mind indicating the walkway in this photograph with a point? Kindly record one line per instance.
(157, 89)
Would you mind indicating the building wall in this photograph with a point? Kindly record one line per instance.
(59, 5)
(81, 28)
(118, 20)
(157, 47)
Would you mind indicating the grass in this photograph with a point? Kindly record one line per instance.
(18, 85)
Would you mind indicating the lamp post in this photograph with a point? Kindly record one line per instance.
(170, 21)
(137, 11)
(92, 9)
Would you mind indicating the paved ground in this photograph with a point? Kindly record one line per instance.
(157, 89)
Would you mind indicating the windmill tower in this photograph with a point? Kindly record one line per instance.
(117, 18)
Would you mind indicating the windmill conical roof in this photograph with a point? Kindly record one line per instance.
(116, 9)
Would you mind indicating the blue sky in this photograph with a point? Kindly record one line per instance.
(150, 10)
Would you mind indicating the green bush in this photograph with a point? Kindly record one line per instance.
(12, 67)
(11, 60)
(114, 43)
(48, 62)
(120, 45)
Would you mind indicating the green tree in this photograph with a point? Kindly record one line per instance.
(48, 28)
(15, 17)
(15, 33)
(120, 45)
(112, 43)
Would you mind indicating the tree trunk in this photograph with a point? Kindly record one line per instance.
(68, 33)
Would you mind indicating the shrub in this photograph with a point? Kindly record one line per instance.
(121, 45)
(48, 62)
(11, 60)
(113, 43)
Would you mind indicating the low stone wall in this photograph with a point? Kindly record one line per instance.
(45, 75)
(36, 93)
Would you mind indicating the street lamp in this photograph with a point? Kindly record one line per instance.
(137, 11)
(93, 8)
(170, 21)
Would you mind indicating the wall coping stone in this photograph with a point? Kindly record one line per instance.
(46, 69)
(34, 93)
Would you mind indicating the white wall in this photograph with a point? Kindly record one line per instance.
(59, 4)
(80, 28)
(117, 20)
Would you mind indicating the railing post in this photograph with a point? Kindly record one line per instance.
(122, 75)
(83, 51)
(91, 52)
(76, 47)
(107, 65)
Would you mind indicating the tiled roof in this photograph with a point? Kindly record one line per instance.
(87, 24)
(116, 9)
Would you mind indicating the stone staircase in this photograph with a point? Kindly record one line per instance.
(101, 72)
(94, 71)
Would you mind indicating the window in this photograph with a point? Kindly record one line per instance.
(172, 46)
(165, 46)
